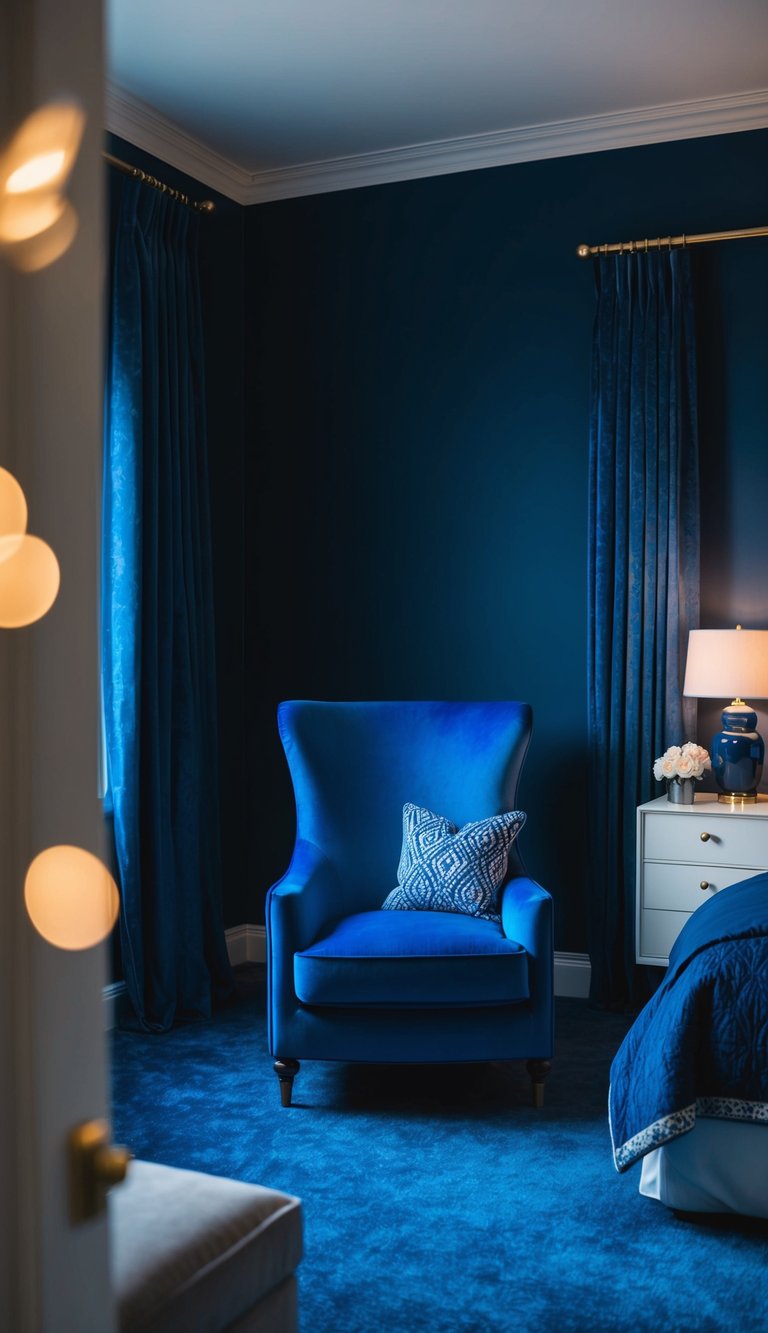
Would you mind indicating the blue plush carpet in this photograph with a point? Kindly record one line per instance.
(437, 1198)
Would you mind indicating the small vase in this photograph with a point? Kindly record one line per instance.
(680, 791)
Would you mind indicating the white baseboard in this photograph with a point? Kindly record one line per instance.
(248, 944)
(111, 995)
(245, 944)
(573, 972)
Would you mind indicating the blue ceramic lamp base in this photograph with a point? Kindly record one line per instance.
(737, 755)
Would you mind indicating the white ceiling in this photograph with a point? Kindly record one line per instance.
(272, 85)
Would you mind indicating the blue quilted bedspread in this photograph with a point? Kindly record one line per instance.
(700, 1045)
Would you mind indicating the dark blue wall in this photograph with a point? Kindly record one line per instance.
(417, 390)
(398, 388)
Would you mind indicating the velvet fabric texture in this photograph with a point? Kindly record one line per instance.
(159, 679)
(415, 958)
(643, 573)
(354, 766)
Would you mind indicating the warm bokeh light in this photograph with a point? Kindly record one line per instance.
(43, 149)
(29, 580)
(26, 215)
(38, 171)
(10, 543)
(39, 251)
(71, 898)
(37, 223)
(13, 505)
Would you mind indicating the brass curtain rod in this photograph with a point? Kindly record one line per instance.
(667, 242)
(204, 206)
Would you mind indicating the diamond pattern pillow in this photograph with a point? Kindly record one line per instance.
(446, 869)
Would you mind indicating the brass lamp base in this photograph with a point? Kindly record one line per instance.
(737, 797)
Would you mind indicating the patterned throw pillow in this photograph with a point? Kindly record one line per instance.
(446, 869)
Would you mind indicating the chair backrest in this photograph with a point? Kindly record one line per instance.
(354, 766)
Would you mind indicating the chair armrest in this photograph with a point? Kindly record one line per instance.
(527, 917)
(298, 907)
(305, 899)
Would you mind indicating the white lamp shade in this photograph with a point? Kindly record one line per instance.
(727, 664)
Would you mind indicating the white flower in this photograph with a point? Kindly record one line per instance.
(687, 761)
(698, 754)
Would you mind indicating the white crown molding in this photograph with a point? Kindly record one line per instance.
(135, 121)
(590, 134)
(141, 125)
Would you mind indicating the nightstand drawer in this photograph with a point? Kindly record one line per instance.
(658, 932)
(734, 839)
(677, 888)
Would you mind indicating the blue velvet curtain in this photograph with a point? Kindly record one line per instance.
(158, 666)
(643, 574)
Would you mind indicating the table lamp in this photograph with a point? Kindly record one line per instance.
(722, 664)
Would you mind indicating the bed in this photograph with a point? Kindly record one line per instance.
(689, 1084)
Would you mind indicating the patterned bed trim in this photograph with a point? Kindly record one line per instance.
(681, 1122)
(728, 1108)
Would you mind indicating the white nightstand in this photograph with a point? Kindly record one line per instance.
(685, 853)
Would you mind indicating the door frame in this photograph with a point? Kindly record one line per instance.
(54, 1276)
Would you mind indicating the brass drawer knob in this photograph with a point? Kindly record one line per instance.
(705, 837)
(704, 884)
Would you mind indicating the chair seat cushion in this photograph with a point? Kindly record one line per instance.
(424, 959)
(192, 1251)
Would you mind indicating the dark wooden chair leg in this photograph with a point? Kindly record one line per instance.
(286, 1071)
(538, 1070)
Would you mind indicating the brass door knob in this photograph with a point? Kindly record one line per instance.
(704, 884)
(112, 1164)
(705, 837)
(95, 1165)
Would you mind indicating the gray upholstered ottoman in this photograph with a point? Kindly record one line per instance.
(199, 1254)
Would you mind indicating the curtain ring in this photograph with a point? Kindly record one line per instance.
(684, 240)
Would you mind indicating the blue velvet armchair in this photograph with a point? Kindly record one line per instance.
(348, 981)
